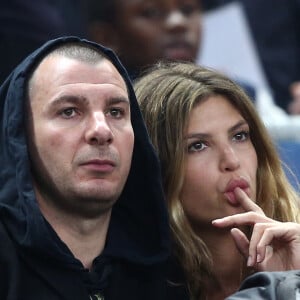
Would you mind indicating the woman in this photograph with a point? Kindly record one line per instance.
(218, 161)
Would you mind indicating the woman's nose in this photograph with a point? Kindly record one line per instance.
(229, 160)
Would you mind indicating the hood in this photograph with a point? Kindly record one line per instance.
(138, 230)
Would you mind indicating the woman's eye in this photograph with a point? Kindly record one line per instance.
(196, 146)
(68, 112)
(241, 136)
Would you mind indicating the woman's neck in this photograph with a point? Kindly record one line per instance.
(228, 264)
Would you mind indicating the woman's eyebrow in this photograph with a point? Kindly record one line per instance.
(197, 135)
(237, 125)
(200, 135)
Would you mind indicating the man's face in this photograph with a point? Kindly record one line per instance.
(80, 135)
(151, 30)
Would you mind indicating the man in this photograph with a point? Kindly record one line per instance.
(145, 31)
(82, 214)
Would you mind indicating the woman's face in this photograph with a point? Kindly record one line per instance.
(219, 157)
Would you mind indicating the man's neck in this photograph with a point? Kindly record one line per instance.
(85, 237)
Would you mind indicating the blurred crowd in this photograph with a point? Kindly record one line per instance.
(142, 32)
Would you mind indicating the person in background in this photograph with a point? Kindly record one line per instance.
(228, 197)
(82, 213)
(143, 32)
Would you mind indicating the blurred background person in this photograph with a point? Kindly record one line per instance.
(143, 32)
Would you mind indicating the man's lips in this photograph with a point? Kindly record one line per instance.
(231, 186)
(179, 51)
(99, 165)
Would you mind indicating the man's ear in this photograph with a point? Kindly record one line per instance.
(104, 34)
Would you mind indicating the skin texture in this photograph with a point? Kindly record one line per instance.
(220, 156)
(82, 137)
(146, 31)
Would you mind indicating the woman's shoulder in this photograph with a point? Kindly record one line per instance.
(270, 285)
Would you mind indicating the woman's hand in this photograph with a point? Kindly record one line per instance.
(273, 246)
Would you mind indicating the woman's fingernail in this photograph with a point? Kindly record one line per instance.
(258, 258)
(249, 261)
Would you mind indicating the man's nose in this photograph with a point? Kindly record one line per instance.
(98, 131)
(176, 20)
(229, 161)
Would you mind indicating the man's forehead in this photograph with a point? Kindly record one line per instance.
(62, 65)
(60, 75)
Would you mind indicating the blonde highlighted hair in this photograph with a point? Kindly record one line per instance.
(167, 93)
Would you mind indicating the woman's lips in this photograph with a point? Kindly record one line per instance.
(231, 186)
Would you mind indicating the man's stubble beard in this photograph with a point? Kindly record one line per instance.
(66, 199)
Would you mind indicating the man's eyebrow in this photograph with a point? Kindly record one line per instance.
(81, 99)
(116, 100)
(68, 99)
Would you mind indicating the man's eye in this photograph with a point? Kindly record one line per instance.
(68, 112)
(152, 12)
(116, 112)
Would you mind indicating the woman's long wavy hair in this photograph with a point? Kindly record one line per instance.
(167, 93)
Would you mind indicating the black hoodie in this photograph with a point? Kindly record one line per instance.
(34, 262)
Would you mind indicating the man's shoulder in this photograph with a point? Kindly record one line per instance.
(148, 282)
(7, 249)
